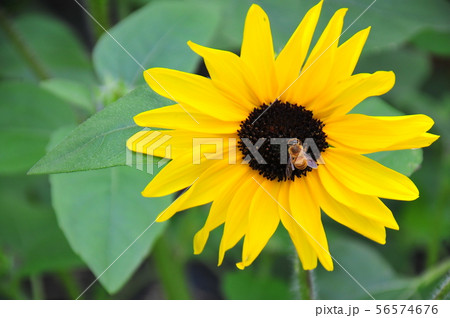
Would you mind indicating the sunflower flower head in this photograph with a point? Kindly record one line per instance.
(269, 138)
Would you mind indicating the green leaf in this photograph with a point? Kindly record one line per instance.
(100, 141)
(75, 93)
(154, 36)
(423, 286)
(28, 116)
(361, 261)
(102, 213)
(52, 43)
(375, 106)
(433, 41)
(425, 222)
(393, 22)
(404, 161)
(246, 285)
(408, 79)
(29, 232)
(433, 280)
(372, 272)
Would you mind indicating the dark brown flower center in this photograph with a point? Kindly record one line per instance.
(264, 136)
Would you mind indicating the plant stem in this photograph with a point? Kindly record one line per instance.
(443, 290)
(69, 282)
(22, 47)
(305, 281)
(123, 10)
(306, 284)
(100, 11)
(37, 287)
(171, 273)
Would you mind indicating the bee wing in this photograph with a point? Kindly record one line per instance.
(310, 161)
(289, 168)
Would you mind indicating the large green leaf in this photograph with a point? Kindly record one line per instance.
(73, 92)
(393, 21)
(404, 161)
(28, 116)
(154, 36)
(375, 106)
(363, 267)
(28, 229)
(408, 80)
(425, 223)
(363, 263)
(433, 41)
(51, 43)
(102, 213)
(100, 141)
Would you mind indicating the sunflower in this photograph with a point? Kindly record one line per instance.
(221, 150)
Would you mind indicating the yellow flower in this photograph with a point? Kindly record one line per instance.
(293, 96)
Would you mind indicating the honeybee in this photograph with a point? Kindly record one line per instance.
(298, 157)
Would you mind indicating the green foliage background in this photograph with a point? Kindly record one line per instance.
(68, 93)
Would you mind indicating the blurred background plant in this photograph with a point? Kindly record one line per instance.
(70, 90)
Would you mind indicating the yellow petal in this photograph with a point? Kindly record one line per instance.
(263, 220)
(179, 117)
(229, 74)
(366, 176)
(347, 56)
(368, 206)
(236, 222)
(175, 143)
(316, 72)
(143, 140)
(321, 104)
(158, 143)
(290, 60)
(216, 217)
(194, 91)
(175, 176)
(347, 216)
(375, 84)
(305, 251)
(367, 134)
(215, 180)
(421, 141)
(305, 211)
(257, 53)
